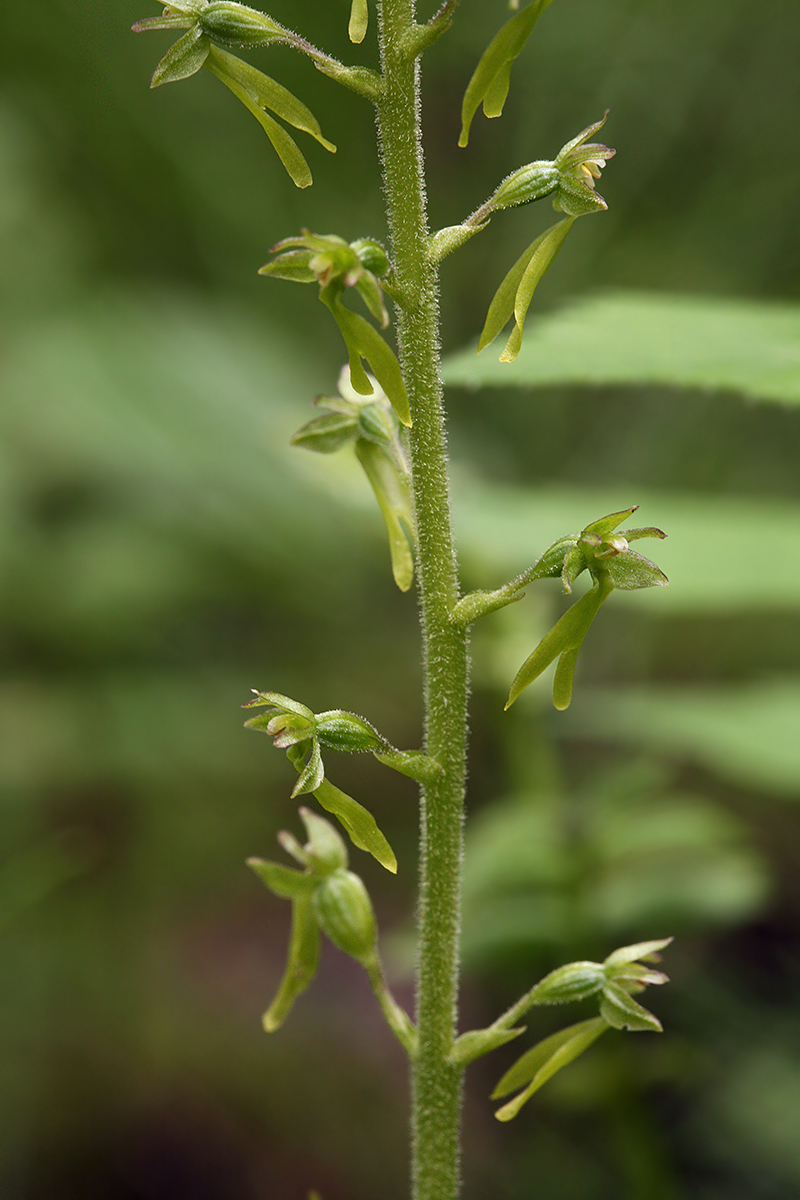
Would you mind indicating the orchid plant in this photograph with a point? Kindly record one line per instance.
(388, 409)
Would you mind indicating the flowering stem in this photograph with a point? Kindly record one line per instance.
(396, 1018)
(436, 1082)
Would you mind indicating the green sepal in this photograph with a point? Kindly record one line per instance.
(188, 8)
(630, 571)
(327, 433)
(312, 773)
(473, 1045)
(391, 490)
(649, 531)
(610, 522)
(279, 701)
(635, 977)
(292, 266)
(362, 341)
(325, 847)
(291, 845)
(639, 952)
(359, 822)
(415, 764)
(574, 565)
(345, 914)
(489, 82)
(576, 199)
(284, 728)
(260, 723)
(301, 965)
(566, 635)
(514, 295)
(579, 164)
(619, 1009)
(359, 20)
(165, 22)
(267, 93)
(183, 59)
(543, 1061)
(283, 881)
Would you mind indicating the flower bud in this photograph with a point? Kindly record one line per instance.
(372, 255)
(238, 25)
(344, 911)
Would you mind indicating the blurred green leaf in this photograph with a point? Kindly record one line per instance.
(30, 876)
(643, 338)
(747, 734)
(650, 859)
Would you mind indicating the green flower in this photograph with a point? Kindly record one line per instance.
(569, 178)
(607, 557)
(338, 266)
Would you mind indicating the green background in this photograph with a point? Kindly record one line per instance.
(163, 550)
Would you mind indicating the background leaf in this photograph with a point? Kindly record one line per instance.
(746, 734)
(636, 338)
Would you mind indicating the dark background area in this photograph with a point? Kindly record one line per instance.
(163, 550)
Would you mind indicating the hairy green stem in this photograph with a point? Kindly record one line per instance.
(436, 1082)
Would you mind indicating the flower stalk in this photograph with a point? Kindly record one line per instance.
(393, 421)
(436, 1080)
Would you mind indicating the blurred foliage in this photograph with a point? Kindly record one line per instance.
(162, 551)
(639, 339)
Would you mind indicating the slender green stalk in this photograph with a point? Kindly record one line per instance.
(436, 1084)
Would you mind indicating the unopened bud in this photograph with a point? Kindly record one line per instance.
(345, 914)
(372, 255)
